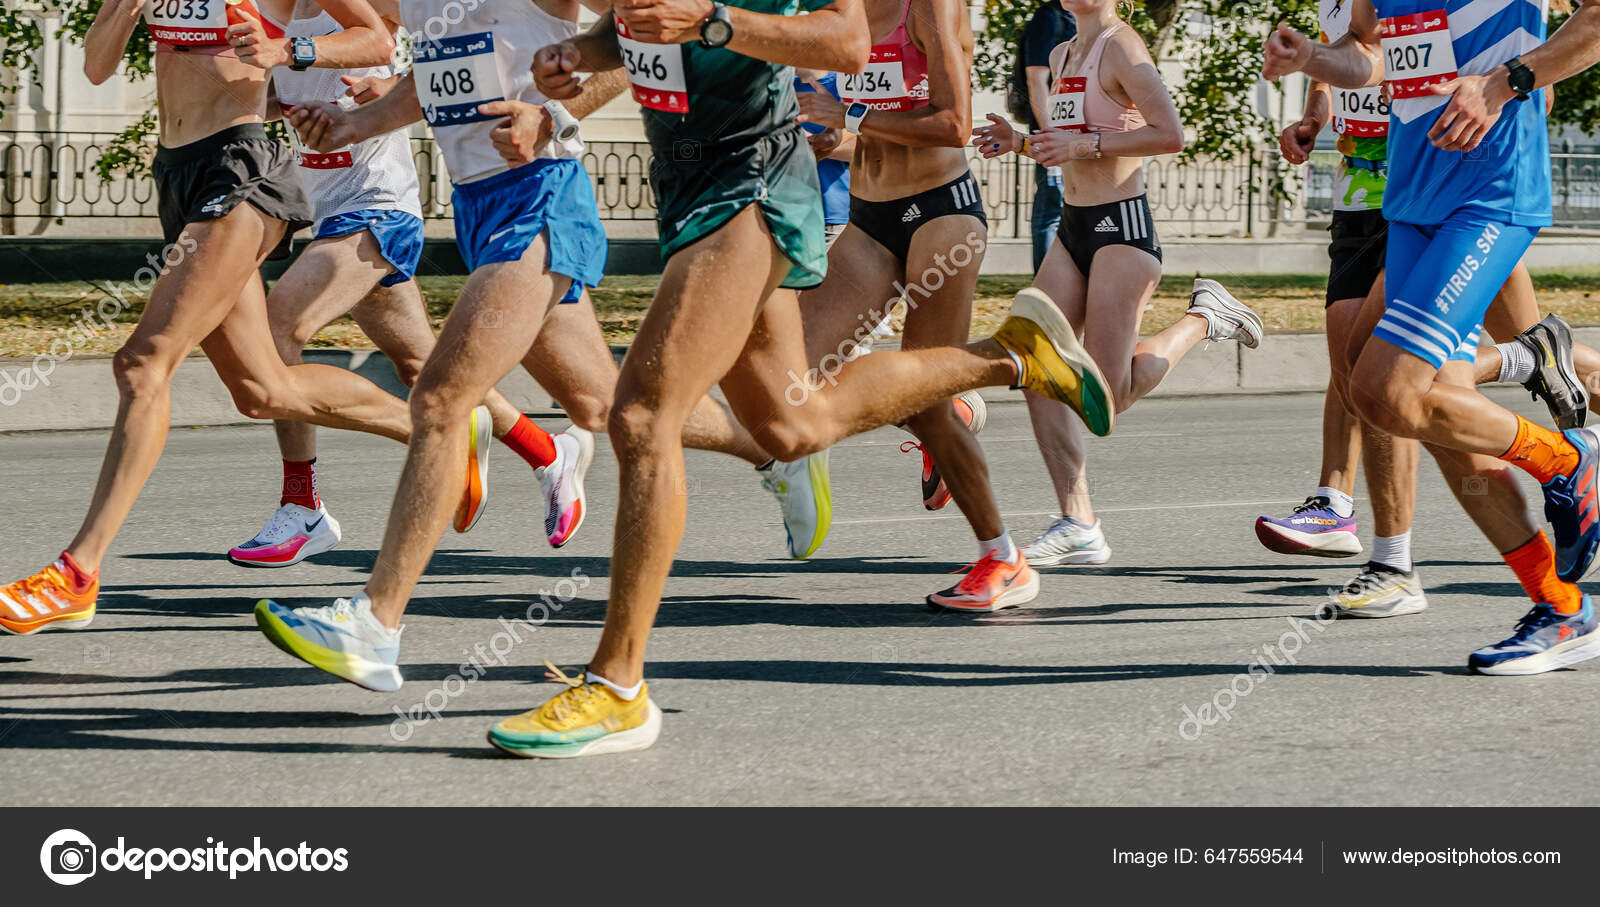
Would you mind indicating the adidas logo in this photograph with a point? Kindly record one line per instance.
(912, 213)
(1106, 225)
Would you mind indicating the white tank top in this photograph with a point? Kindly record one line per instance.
(486, 56)
(377, 173)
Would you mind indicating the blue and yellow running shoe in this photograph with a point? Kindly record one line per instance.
(1572, 509)
(585, 719)
(1544, 641)
(344, 639)
(805, 495)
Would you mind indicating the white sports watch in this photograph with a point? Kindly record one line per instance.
(853, 115)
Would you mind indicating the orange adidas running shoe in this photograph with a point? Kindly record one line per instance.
(990, 584)
(47, 599)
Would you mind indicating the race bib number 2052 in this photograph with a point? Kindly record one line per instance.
(454, 74)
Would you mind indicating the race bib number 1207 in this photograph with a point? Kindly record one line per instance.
(655, 72)
(1417, 53)
(454, 75)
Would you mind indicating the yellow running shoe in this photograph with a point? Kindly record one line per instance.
(1054, 363)
(480, 432)
(585, 719)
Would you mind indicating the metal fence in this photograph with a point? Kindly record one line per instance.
(53, 175)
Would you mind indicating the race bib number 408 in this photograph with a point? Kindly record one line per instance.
(882, 85)
(1417, 53)
(188, 22)
(454, 74)
(655, 72)
(1066, 105)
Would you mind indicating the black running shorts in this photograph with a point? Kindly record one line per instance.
(204, 180)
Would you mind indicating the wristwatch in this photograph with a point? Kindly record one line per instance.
(1519, 77)
(1097, 146)
(717, 30)
(304, 54)
(853, 115)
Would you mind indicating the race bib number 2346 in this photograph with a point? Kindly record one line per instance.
(655, 72)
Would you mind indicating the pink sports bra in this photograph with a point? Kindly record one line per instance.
(896, 77)
(1079, 103)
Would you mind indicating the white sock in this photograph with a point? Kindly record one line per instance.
(1343, 504)
(1016, 361)
(1393, 551)
(1516, 362)
(1001, 545)
(629, 693)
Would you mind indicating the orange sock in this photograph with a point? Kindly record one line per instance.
(1540, 452)
(1535, 566)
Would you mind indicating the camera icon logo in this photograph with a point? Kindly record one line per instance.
(68, 857)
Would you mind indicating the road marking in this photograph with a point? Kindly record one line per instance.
(1203, 505)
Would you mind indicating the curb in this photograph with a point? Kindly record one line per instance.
(81, 393)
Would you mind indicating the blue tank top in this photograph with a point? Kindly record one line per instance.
(1507, 177)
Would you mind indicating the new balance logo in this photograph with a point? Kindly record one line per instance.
(1106, 225)
(912, 213)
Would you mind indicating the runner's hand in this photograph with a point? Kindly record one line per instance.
(555, 71)
(323, 125)
(664, 21)
(997, 138)
(251, 42)
(366, 89)
(1054, 147)
(525, 129)
(1287, 51)
(823, 143)
(821, 108)
(1298, 139)
(1475, 103)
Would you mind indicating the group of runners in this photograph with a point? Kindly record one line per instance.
(756, 289)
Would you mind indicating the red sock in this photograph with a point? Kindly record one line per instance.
(531, 443)
(81, 578)
(300, 484)
(1540, 452)
(1535, 566)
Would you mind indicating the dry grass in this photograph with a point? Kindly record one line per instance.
(33, 316)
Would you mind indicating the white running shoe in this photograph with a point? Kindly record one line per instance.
(475, 499)
(806, 497)
(1376, 592)
(293, 534)
(562, 482)
(1068, 541)
(1227, 318)
(343, 638)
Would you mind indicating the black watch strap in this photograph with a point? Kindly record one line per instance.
(1519, 77)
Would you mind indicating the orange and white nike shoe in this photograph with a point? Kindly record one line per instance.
(480, 432)
(47, 599)
(971, 410)
(990, 585)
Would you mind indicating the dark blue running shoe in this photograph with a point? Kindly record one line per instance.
(1572, 509)
(1544, 641)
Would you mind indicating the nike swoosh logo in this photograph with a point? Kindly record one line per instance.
(315, 523)
(1009, 580)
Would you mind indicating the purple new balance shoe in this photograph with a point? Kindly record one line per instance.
(1312, 529)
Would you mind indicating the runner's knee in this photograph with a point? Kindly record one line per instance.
(589, 410)
(436, 404)
(1386, 405)
(144, 368)
(257, 399)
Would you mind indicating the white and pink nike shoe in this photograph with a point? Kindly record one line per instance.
(293, 534)
(562, 482)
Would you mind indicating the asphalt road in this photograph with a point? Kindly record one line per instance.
(822, 682)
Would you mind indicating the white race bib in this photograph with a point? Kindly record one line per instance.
(316, 160)
(188, 22)
(454, 74)
(1417, 53)
(882, 85)
(655, 72)
(1360, 112)
(1066, 105)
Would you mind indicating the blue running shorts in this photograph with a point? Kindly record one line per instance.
(399, 236)
(1442, 280)
(498, 218)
